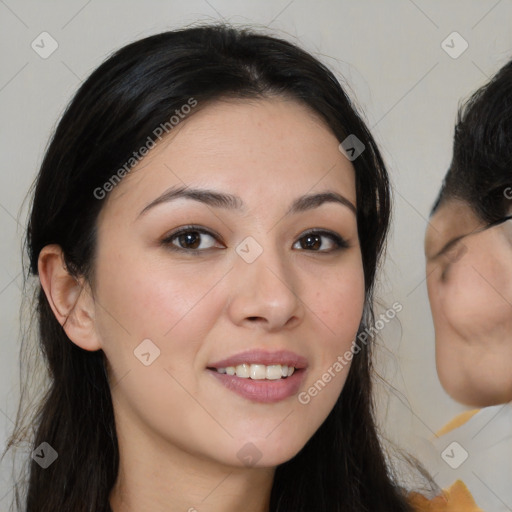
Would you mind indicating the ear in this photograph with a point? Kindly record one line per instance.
(70, 298)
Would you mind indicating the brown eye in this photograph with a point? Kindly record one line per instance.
(191, 239)
(322, 241)
(311, 242)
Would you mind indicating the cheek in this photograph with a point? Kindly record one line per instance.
(346, 308)
(144, 298)
(475, 301)
(337, 308)
(473, 320)
(337, 302)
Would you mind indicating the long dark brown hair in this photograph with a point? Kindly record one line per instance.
(342, 467)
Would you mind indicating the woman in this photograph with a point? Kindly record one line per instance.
(207, 253)
(468, 247)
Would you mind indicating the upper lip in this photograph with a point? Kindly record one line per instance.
(266, 357)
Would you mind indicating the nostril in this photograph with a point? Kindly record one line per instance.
(255, 319)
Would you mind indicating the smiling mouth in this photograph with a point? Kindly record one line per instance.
(258, 371)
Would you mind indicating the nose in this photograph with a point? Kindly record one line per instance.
(265, 293)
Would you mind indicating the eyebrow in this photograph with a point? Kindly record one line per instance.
(232, 202)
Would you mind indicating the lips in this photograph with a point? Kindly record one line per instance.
(260, 389)
(282, 357)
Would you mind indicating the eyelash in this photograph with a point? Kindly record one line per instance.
(340, 242)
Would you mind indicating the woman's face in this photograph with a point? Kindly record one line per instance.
(470, 291)
(248, 284)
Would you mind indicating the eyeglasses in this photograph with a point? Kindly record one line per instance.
(454, 255)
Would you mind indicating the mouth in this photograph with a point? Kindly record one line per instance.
(261, 376)
(258, 371)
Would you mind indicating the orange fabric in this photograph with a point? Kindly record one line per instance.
(457, 422)
(455, 499)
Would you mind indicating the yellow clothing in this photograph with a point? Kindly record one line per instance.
(457, 422)
(457, 498)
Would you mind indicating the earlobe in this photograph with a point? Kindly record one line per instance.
(70, 299)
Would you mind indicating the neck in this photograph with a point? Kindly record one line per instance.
(155, 475)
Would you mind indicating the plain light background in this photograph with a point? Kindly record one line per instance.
(389, 54)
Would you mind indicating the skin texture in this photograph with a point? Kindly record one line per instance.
(179, 429)
(470, 293)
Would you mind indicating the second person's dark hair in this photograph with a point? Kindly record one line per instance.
(480, 173)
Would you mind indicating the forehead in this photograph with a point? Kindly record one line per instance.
(267, 148)
(452, 219)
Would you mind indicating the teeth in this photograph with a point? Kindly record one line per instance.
(259, 371)
(273, 372)
(243, 371)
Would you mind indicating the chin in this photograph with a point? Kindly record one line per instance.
(260, 453)
(478, 396)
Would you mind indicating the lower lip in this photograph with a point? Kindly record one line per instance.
(263, 391)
